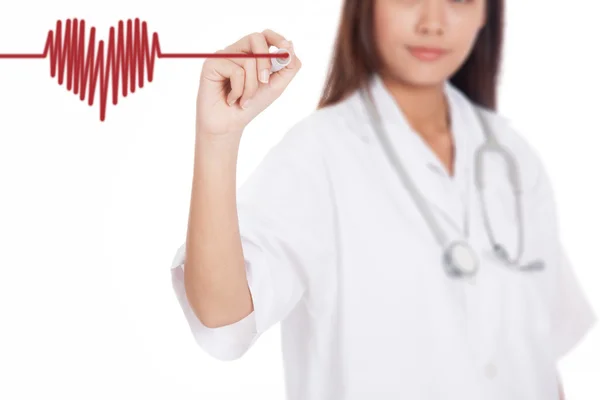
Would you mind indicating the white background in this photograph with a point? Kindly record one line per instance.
(91, 213)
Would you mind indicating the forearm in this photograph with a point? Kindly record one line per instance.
(215, 277)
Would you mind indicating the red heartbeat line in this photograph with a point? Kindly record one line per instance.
(127, 58)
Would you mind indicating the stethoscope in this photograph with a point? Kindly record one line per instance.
(459, 259)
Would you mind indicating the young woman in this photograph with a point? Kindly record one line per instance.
(363, 231)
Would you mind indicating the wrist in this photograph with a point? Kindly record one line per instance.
(216, 151)
(226, 141)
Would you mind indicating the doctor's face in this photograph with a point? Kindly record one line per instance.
(403, 26)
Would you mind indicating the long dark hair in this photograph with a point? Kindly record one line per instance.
(355, 57)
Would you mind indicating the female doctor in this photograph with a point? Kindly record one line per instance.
(404, 234)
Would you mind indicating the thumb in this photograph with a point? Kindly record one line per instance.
(280, 79)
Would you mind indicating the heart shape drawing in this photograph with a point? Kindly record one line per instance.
(128, 59)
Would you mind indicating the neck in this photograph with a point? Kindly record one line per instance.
(425, 108)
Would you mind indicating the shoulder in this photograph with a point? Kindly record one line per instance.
(302, 150)
(326, 127)
(529, 163)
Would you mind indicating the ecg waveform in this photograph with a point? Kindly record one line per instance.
(128, 58)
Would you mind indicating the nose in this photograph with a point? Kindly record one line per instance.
(432, 21)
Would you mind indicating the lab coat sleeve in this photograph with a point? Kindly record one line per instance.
(285, 228)
(224, 343)
(571, 314)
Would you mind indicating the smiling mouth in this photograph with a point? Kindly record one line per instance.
(427, 53)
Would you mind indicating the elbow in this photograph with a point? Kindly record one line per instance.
(199, 300)
(209, 318)
(203, 307)
(222, 319)
(211, 309)
(210, 321)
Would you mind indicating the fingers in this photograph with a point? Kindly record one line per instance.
(237, 79)
(247, 74)
(260, 44)
(294, 62)
(258, 69)
(228, 70)
(281, 79)
(254, 43)
(276, 40)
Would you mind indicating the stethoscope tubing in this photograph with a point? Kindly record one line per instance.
(491, 144)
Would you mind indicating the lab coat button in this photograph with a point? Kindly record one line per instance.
(490, 370)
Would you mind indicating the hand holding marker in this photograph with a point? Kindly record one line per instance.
(233, 91)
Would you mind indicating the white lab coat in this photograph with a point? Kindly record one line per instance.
(337, 251)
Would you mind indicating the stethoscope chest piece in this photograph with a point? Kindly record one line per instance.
(460, 260)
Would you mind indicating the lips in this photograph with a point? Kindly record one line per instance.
(427, 53)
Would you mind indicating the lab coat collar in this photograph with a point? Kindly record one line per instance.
(421, 163)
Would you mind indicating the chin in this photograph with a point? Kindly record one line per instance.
(419, 74)
(422, 79)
